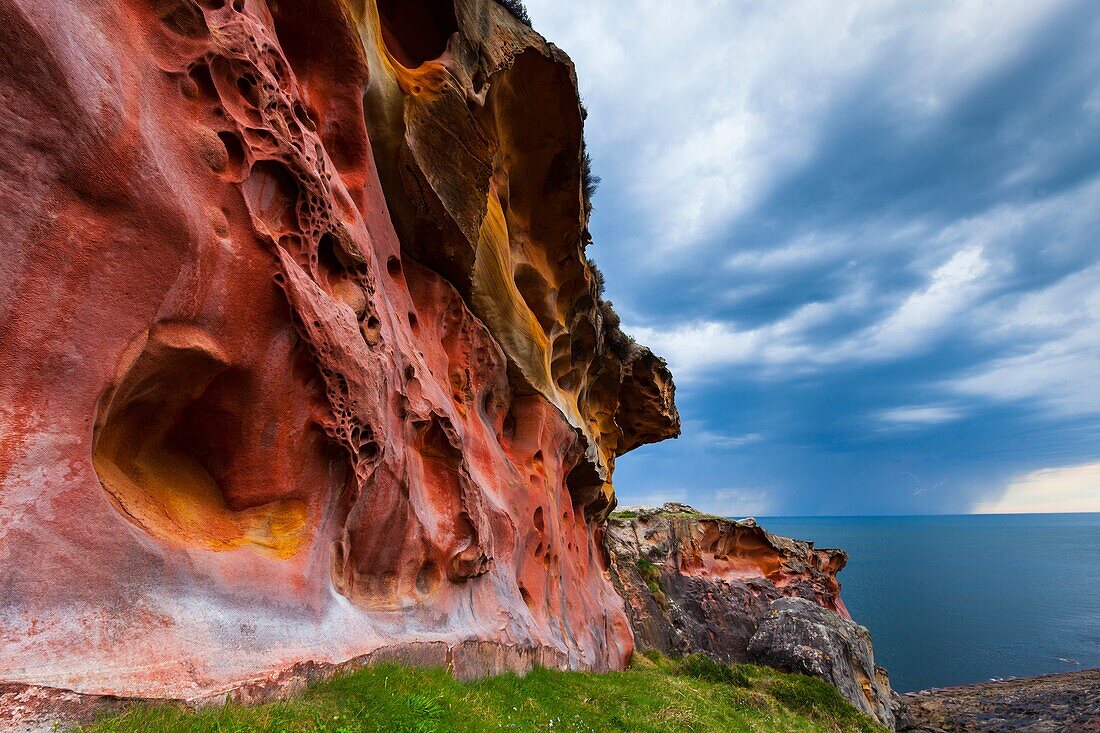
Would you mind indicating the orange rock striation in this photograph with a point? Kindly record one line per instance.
(303, 359)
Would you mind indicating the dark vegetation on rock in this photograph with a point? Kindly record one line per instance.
(518, 10)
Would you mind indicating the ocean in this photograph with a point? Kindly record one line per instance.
(958, 599)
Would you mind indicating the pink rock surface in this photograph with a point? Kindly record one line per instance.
(302, 358)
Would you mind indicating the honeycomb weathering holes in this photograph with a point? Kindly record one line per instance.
(272, 193)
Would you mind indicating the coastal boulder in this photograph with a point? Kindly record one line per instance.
(797, 635)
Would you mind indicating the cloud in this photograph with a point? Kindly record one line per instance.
(1056, 331)
(1068, 489)
(848, 225)
(913, 324)
(738, 502)
(919, 415)
(717, 101)
(722, 441)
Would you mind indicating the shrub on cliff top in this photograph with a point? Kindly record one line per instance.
(518, 11)
(590, 182)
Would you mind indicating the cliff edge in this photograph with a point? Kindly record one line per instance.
(696, 583)
(303, 358)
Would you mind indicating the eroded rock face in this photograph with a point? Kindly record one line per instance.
(799, 636)
(302, 357)
(697, 583)
(691, 583)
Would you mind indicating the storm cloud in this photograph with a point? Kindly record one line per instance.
(866, 236)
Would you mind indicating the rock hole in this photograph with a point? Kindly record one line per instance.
(246, 85)
(199, 84)
(538, 521)
(478, 80)
(537, 294)
(428, 579)
(169, 448)
(416, 31)
(328, 255)
(272, 195)
(393, 266)
(371, 329)
(569, 381)
(414, 323)
(182, 18)
(234, 150)
(305, 119)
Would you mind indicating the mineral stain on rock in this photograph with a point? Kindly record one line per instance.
(303, 358)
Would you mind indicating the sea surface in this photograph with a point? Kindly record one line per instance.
(959, 599)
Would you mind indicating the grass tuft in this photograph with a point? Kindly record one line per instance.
(702, 667)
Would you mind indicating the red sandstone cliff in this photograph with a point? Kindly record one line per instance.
(302, 358)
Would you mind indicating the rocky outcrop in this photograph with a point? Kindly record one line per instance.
(303, 358)
(697, 583)
(729, 589)
(799, 636)
(1057, 702)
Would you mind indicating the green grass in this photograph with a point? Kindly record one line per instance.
(628, 514)
(651, 574)
(656, 694)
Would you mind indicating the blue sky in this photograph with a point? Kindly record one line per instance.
(865, 235)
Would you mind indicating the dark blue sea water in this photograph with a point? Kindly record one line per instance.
(957, 599)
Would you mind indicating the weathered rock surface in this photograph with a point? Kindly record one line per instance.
(729, 589)
(715, 578)
(799, 636)
(1057, 702)
(303, 359)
